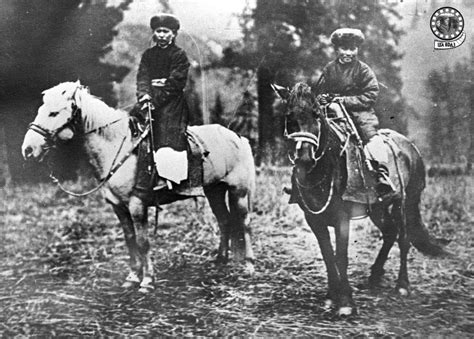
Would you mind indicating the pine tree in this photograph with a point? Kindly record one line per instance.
(217, 111)
(449, 129)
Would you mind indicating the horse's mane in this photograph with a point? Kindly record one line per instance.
(301, 91)
(97, 113)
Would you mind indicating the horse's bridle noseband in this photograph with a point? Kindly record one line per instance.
(319, 148)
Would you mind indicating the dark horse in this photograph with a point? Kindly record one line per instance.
(319, 181)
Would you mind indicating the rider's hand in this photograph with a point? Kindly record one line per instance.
(145, 102)
(147, 105)
(323, 99)
(144, 98)
(135, 126)
(158, 82)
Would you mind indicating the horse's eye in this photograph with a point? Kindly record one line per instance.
(53, 114)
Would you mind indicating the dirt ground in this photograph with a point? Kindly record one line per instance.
(64, 260)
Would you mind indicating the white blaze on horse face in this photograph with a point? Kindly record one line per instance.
(52, 117)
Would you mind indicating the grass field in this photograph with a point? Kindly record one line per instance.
(64, 259)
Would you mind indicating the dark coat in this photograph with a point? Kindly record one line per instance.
(356, 84)
(171, 114)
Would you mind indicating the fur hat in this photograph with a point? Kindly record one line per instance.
(165, 20)
(347, 36)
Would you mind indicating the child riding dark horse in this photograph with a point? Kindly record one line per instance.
(350, 82)
(161, 78)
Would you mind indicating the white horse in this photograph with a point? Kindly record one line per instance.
(70, 111)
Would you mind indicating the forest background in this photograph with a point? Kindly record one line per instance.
(236, 50)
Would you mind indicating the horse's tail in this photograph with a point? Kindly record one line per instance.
(417, 231)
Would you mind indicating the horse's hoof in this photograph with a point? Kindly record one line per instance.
(345, 311)
(130, 284)
(403, 292)
(146, 286)
(328, 304)
(249, 269)
(132, 280)
(146, 289)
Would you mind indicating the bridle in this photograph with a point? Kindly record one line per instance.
(73, 122)
(319, 143)
(52, 136)
(319, 146)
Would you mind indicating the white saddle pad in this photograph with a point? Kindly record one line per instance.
(171, 164)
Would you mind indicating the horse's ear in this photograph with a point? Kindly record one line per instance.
(77, 93)
(282, 92)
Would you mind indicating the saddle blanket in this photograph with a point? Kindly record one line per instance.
(360, 187)
(168, 163)
(171, 165)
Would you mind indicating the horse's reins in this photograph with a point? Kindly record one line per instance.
(101, 183)
(112, 170)
(305, 206)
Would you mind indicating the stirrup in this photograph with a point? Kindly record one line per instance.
(162, 184)
(385, 192)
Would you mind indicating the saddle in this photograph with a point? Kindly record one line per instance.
(361, 181)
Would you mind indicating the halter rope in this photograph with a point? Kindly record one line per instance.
(305, 206)
(101, 183)
(112, 170)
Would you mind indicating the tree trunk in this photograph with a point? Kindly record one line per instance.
(265, 116)
(4, 171)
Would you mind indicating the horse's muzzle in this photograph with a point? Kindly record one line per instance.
(34, 147)
(28, 152)
(305, 155)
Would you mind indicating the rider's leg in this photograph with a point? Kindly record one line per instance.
(144, 178)
(367, 124)
(379, 153)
